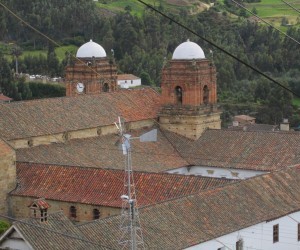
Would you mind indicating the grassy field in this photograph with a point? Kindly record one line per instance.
(60, 52)
(296, 102)
(137, 8)
(274, 10)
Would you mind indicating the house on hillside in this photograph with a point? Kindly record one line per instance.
(126, 81)
(4, 98)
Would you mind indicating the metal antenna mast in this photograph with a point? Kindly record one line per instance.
(131, 235)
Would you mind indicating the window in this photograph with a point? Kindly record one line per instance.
(275, 233)
(178, 93)
(43, 215)
(205, 95)
(298, 231)
(96, 214)
(73, 212)
(239, 244)
(105, 87)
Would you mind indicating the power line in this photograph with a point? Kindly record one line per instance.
(291, 6)
(199, 229)
(219, 48)
(283, 33)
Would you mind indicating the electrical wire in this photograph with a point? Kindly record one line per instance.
(219, 48)
(269, 24)
(172, 213)
(290, 6)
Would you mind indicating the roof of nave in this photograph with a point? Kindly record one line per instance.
(26, 119)
(104, 187)
(104, 152)
(252, 150)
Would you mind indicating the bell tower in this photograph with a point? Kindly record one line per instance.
(189, 92)
(91, 73)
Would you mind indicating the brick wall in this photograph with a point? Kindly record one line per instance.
(93, 73)
(192, 76)
(197, 109)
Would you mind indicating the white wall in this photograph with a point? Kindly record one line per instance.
(14, 241)
(260, 236)
(125, 84)
(215, 172)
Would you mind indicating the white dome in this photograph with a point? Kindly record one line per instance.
(91, 49)
(187, 51)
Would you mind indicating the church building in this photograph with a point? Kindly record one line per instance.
(78, 131)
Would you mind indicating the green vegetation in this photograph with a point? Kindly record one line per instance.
(142, 41)
(4, 225)
(275, 10)
(296, 102)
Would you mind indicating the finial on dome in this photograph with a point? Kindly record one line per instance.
(91, 40)
(188, 40)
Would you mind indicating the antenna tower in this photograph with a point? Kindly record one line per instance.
(131, 233)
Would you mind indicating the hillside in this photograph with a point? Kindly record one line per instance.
(137, 8)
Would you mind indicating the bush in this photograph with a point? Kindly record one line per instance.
(4, 225)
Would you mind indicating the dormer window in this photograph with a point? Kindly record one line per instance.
(39, 209)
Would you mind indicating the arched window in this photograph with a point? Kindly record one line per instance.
(96, 214)
(73, 212)
(105, 87)
(178, 93)
(205, 95)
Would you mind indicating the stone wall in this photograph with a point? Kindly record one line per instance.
(7, 177)
(76, 134)
(84, 212)
(190, 126)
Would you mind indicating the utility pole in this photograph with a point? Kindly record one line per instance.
(131, 233)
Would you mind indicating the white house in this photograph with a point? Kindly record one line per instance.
(128, 81)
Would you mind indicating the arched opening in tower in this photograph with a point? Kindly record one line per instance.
(178, 94)
(105, 87)
(205, 95)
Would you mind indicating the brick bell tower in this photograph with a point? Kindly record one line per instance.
(189, 93)
(92, 73)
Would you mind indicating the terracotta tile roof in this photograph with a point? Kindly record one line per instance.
(5, 98)
(40, 203)
(242, 118)
(49, 116)
(193, 219)
(5, 148)
(255, 127)
(102, 152)
(127, 77)
(57, 233)
(82, 185)
(263, 151)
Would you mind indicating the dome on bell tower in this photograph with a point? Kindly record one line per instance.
(91, 49)
(188, 51)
